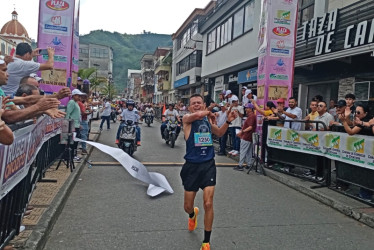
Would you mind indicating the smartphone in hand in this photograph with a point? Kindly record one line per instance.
(43, 52)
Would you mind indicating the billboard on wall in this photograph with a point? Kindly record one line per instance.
(276, 38)
(58, 28)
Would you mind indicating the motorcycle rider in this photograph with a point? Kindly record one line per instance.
(130, 114)
(172, 115)
(149, 111)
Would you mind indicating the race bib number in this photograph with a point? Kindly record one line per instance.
(203, 139)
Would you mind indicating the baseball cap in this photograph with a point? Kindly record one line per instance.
(79, 79)
(234, 98)
(244, 87)
(249, 105)
(77, 92)
(221, 104)
(223, 93)
(86, 81)
(341, 103)
(228, 92)
(280, 100)
(36, 77)
(247, 92)
(2, 61)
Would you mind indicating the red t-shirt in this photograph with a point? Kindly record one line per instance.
(250, 121)
(83, 111)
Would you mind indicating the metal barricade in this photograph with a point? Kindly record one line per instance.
(312, 167)
(13, 205)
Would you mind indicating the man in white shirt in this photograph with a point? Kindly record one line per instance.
(323, 116)
(229, 95)
(248, 95)
(105, 114)
(23, 65)
(292, 113)
(172, 115)
(221, 119)
(235, 124)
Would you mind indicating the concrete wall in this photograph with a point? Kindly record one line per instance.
(237, 51)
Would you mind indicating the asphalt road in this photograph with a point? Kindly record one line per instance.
(108, 209)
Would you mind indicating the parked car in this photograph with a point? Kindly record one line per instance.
(96, 112)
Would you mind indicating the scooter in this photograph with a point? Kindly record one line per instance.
(127, 139)
(148, 119)
(113, 115)
(170, 133)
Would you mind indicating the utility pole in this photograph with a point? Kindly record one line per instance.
(96, 81)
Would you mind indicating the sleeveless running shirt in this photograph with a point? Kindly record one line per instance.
(199, 145)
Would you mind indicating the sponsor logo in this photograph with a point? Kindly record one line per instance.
(56, 20)
(55, 27)
(314, 140)
(261, 77)
(135, 168)
(280, 66)
(281, 44)
(278, 77)
(57, 5)
(281, 31)
(283, 17)
(359, 146)
(280, 52)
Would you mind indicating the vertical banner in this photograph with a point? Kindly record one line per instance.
(277, 35)
(56, 27)
(75, 46)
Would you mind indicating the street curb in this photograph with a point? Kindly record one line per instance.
(365, 218)
(40, 232)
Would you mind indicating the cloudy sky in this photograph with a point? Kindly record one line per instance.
(123, 16)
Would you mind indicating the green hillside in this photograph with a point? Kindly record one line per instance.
(127, 49)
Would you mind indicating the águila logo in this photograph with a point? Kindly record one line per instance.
(281, 31)
(57, 5)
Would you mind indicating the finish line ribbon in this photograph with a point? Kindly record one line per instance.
(157, 182)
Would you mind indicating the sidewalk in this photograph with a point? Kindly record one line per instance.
(48, 199)
(342, 203)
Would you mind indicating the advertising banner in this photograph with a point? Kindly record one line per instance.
(276, 50)
(17, 157)
(57, 19)
(356, 150)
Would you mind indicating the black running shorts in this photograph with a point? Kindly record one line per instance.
(198, 175)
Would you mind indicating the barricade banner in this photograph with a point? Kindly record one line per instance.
(157, 182)
(17, 157)
(356, 150)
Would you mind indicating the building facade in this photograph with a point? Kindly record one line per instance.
(187, 57)
(335, 51)
(96, 56)
(133, 80)
(148, 79)
(162, 65)
(229, 56)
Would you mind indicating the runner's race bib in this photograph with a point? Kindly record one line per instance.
(203, 139)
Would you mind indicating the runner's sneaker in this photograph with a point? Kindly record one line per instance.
(192, 222)
(205, 246)
(232, 151)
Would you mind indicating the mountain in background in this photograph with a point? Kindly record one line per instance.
(127, 49)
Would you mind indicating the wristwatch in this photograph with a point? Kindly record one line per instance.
(228, 122)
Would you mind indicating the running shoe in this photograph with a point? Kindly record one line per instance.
(205, 246)
(117, 141)
(192, 222)
(138, 144)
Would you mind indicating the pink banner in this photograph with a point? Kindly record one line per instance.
(58, 28)
(276, 49)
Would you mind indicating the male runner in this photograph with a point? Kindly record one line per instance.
(199, 170)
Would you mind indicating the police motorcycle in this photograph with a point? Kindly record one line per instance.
(170, 133)
(127, 139)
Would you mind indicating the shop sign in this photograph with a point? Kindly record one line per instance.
(233, 78)
(249, 75)
(181, 82)
(281, 31)
(324, 29)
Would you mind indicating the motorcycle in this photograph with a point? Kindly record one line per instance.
(113, 115)
(127, 139)
(148, 119)
(170, 133)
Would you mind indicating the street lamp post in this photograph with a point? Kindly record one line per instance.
(96, 82)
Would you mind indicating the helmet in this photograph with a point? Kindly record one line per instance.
(171, 104)
(130, 103)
